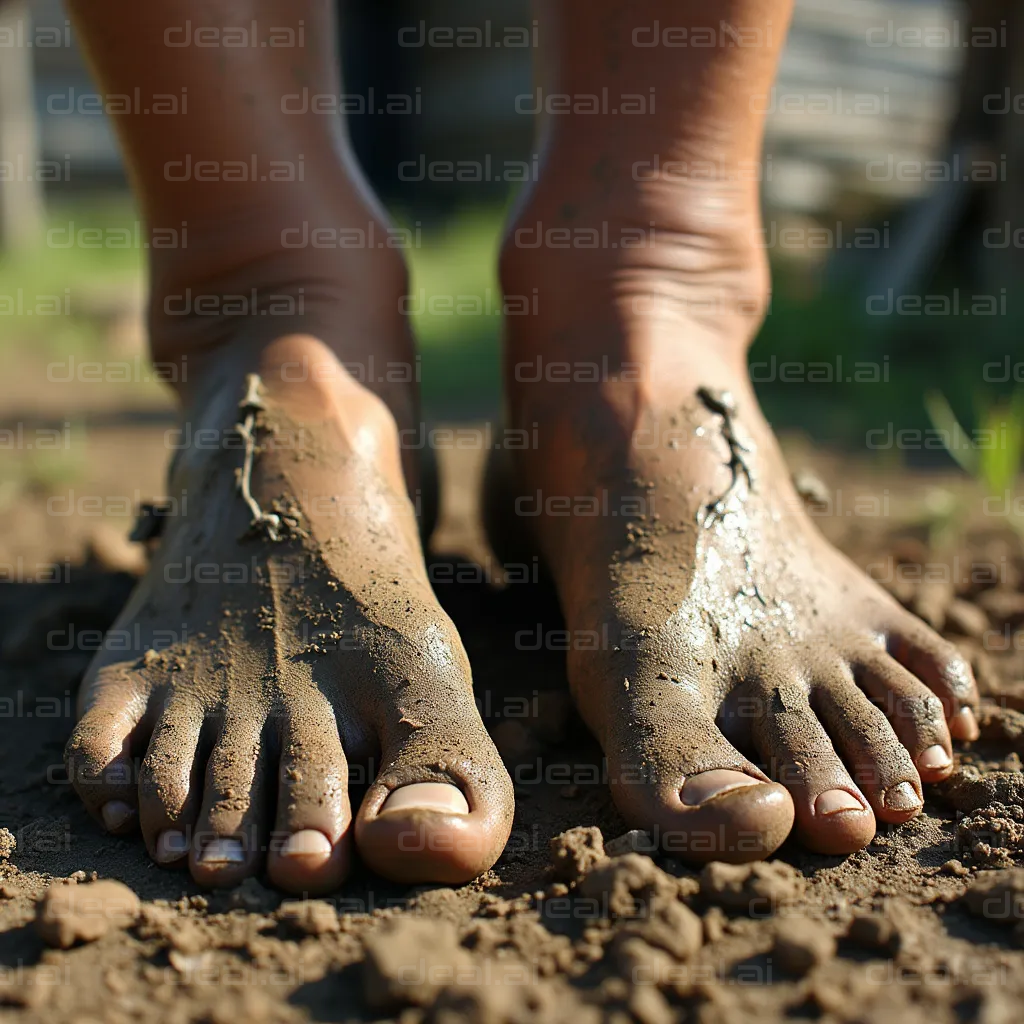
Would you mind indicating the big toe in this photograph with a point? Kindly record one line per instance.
(430, 819)
(672, 771)
(732, 816)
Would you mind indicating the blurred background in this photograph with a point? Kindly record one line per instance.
(893, 169)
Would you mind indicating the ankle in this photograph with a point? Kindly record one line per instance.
(636, 281)
(229, 293)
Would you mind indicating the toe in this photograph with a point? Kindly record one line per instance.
(832, 814)
(169, 784)
(724, 814)
(673, 772)
(880, 764)
(309, 848)
(98, 756)
(941, 667)
(226, 845)
(441, 808)
(915, 712)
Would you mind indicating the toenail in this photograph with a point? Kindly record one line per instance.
(969, 722)
(934, 758)
(222, 851)
(834, 801)
(698, 788)
(115, 814)
(307, 843)
(171, 846)
(902, 798)
(426, 796)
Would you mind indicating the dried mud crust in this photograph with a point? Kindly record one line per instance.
(579, 920)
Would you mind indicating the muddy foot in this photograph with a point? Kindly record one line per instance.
(284, 645)
(718, 642)
(743, 678)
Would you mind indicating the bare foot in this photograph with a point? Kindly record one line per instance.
(740, 674)
(287, 629)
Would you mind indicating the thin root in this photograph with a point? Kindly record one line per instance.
(252, 404)
(723, 404)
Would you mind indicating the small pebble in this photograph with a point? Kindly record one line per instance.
(634, 841)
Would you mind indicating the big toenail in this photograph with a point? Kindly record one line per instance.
(115, 814)
(222, 851)
(934, 758)
(834, 801)
(698, 788)
(307, 843)
(171, 846)
(902, 798)
(426, 796)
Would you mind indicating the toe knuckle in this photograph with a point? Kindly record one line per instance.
(932, 712)
(958, 676)
(81, 757)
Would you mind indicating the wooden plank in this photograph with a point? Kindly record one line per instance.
(21, 193)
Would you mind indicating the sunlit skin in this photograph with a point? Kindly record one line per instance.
(759, 683)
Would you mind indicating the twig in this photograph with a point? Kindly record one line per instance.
(250, 406)
(723, 404)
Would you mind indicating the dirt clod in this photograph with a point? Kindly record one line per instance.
(966, 619)
(755, 889)
(801, 944)
(626, 884)
(998, 896)
(251, 895)
(671, 926)
(874, 932)
(311, 917)
(409, 960)
(994, 835)
(576, 852)
(649, 1006)
(69, 914)
(968, 790)
(8, 843)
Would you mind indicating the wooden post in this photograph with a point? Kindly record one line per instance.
(22, 218)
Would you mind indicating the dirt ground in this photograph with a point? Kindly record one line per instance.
(926, 924)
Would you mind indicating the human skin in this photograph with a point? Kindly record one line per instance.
(298, 657)
(755, 681)
(759, 681)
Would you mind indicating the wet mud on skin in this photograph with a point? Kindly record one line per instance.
(317, 655)
(723, 404)
(923, 925)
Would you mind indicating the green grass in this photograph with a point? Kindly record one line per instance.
(454, 307)
(455, 301)
(73, 279)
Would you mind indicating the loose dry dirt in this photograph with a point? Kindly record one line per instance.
(578, 920)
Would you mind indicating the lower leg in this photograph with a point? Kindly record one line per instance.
(242, 185)
(743, 642)
(666, 170)
(281, 295)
